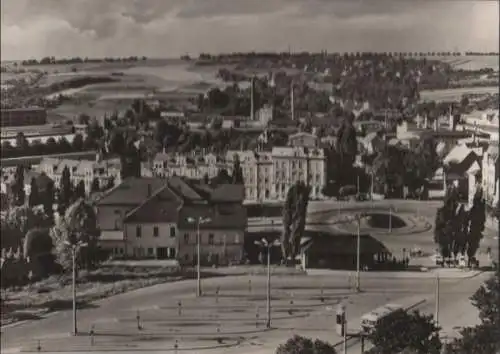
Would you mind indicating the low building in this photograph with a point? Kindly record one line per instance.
(158, 218)
(23, 116)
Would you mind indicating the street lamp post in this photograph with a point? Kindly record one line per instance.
(198, 221)
(268, 246)
(74, 249)
(358, 251)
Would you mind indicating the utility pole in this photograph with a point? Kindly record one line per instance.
(73, 283)
(358, 246)
(268, 321)
(436, 314)
(198, 259)
(198, 222)
(74, 249)
(390, 219)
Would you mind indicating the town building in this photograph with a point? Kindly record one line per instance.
(23, 116)
(293, 164)
(491, 174)
(159, 218)
(461, 167)
(194, 166)
(105, 171)
(485, 122)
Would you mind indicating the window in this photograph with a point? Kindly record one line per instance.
(172, 231)
(186, 238)
(138, 231)
(156, 231)
(150, 252)
(237, 238)
(210, 239)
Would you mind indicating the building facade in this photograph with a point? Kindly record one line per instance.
(490, 174)
(83, 170)
(267, 175)
(158, 218)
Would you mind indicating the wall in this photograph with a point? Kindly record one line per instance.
(224, 249)
(148, 242)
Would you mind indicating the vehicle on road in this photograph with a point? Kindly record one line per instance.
(370, 320)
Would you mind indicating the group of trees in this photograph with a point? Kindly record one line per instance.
(65, 194)
(457, 230)
(417, 333)
(52, 146)
(35, 245)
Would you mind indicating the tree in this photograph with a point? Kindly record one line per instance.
(48, 200)
(447, 223)
(347, 146)
(302, 345)
(402, 330)
(17, 221)
(111, 183)
(485, 337)
(34, 198)
(294, 219)
(477, 217)
(95, 185)
(65, 191)
(77, 143)
(237, 171)
(77, 225)
(18, 192)
(80, 190)
(37, 248)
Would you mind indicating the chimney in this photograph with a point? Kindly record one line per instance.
(252, 107)
(436, 124)
(292, 103)
(451, 122)
(425, 122)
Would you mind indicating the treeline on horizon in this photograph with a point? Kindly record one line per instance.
(78, 60)
(207, 56)
(51, 60)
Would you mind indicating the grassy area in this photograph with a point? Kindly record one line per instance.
(55, 293)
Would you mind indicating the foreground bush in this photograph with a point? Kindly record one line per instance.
(303, 345)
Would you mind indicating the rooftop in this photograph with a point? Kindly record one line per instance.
(132, 191)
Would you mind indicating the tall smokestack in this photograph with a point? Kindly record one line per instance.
(292, 104)
(252, 107)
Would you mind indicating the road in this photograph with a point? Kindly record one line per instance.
(232, 315)
(233, 312)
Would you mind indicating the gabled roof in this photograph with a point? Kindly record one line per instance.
(162, 207)
(457, 154)
(222, 193)
(132, 191)
(184, 190)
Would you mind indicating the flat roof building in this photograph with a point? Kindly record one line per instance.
(23, 117)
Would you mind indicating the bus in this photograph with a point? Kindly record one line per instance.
(371, 319)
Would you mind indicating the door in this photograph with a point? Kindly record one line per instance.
(162, 252)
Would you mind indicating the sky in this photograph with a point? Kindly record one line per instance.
(170, 28)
